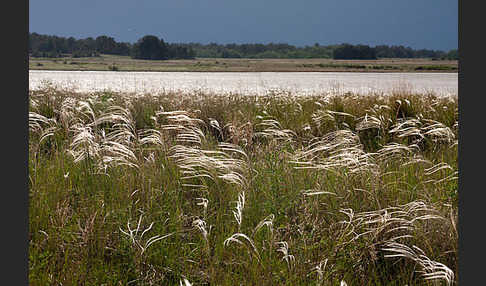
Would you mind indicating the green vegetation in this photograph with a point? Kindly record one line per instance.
(150, 47)
(228, 189)
(452, 55)
(435, 67)
(126, 63)
(347, 51)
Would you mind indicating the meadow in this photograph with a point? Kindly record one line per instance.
(207, 189)
(125, 63)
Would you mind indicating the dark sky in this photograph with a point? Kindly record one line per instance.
(420, 24)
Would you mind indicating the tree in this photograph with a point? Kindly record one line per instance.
(106, 45)
(347, 51)
(122, 49)
(150, 48)
(71, 44)
(452, 55)
(230, 53)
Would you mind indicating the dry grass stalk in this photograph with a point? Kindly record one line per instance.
(243, 239)
(271, 129)
(202, 227)
(85, 143)
(320, 269)
(84, 112)
(186, 282)
(337, 150)
(430, 270)
(123, 129)
(268, 222)
(238, 212)
(137, 239)
(386, 225)
(377, 117)
(39, 124)
(187, 128)
(289, 258)
(218, 164)
(438, 132)
(408, 128)
(394, 152)
(323, 117)
(239, 134)
(329, 144)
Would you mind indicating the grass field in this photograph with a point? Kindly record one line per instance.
(125, 63)
(203, 189)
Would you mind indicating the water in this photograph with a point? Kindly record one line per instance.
(298, 83)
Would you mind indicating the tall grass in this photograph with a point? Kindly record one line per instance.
(192, 189)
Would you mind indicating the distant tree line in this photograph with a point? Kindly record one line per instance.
(347, 51)
(384, 51)
(54, 46)
(342, 51)
(152, 48)
(270, 50)
(148, 47)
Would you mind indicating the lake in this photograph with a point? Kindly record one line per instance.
(298, 83)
